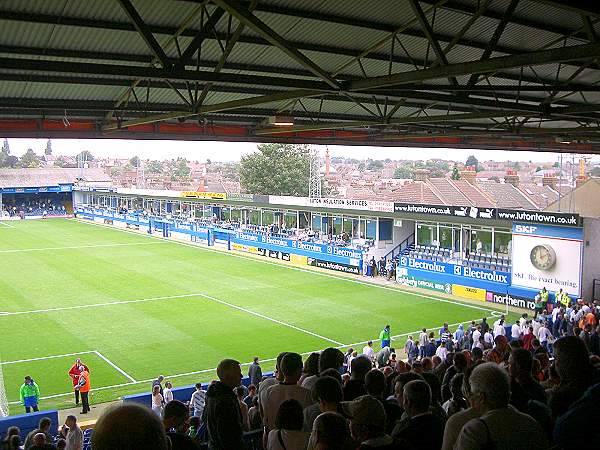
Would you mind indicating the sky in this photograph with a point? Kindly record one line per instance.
(232, 151)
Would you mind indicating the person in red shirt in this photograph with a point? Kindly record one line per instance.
(528, 339)
(74, 373)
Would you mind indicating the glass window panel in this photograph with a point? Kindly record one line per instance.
(502, 243)
(291, 219)
(425, 234)
(445, 237)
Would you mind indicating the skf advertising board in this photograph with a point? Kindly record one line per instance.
(549, 256)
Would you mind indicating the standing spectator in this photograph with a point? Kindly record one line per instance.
(39, 443)
(74, 373)
(544, 335)
(459, 365)
(43, 427)
(441, 351)
(328, 393)
(499, 328)
(158, 382)
(409, 348)
(484, 325)
(239, 393)
(488, 339)
(528, 339)
(72, 434)
(175, 421)
(222, 412)
(523, 386)
(330, 432)
(167, 392)
(368, 351)
(255, 372)
(422, 430)
(385, 336)
(84, 387)
(457, 402)
(157, 401)
(515, 331)
(30, 395)
(499, 426)
(288, 433)
(423, 341)
(383, 357)
(10, 432)
(291, 367)
(197, 401)
(375, 384)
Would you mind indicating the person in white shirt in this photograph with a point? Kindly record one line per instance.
(488, 339)
(288, 433)
(157, 400)
(499, 328)
(442, 351)
(556, 312)
(423, 341)
(536, 328)
(291, 368)
(476, 335)
(523, 320)
(515, 331)
(168, 392)
(73, 434)
(368, 351)
(544, 335)
(350, 358)
(197, 401)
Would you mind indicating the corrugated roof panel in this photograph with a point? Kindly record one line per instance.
(71, 91)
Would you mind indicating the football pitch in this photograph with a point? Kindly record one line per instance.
(132, 307)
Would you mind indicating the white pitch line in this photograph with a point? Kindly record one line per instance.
(196, 372)
(6, 225)
(300, 269)
(75, 247)
(45, 357)
(262, 316)
(115, 366)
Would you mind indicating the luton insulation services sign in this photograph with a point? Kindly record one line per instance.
(547, 256)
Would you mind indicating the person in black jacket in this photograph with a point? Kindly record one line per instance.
(222, 413)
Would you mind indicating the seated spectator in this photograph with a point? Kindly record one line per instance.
(416, 398)
(500, 426)
(331, 432)
(43, 427)
(457, 401)
(39, 443)
(128, 426)
(355, 387)
(175, 420)
(291, 367)
(222, 411)
(375, 386)
(328, 394)
(288, 433)
(367, 423)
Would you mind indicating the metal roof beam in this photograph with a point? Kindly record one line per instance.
(243, 15)
(426, 27)
(563, 54)
(586, 7)
(495, 37)
(197, 41)
(145, 33)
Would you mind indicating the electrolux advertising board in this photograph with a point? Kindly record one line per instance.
(331, 253)
(491, 280)
(550, 256)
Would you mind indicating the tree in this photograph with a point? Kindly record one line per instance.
(375, 164)
(455, 173)
(135, 161)
(181, 168)
(48, 149)
(61, 161)
(276, 169)
(472, 161)
(4, 153)
(154, 166)
(403, 173)
(556, 165)
(30, 159)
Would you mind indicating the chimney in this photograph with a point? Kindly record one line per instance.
(421, 174)
(550, 180)
(469, 174)
(511, 177)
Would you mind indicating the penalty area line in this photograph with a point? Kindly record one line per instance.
(114, 366)
(76, 247)
(64, 355)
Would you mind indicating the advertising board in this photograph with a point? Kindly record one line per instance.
(410, 281)
(205, 195)
(547, 256)
(333, 266)
(512, 300)
(469, 292)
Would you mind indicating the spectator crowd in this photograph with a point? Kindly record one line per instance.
(531, 384)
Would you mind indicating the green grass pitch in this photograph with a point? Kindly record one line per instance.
(135, 307)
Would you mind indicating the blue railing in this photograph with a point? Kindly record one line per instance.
(406, 243)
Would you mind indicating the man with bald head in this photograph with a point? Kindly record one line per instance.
(222, 413)
(128, 426)
(39, 443)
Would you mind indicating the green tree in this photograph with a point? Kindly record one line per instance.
(472, 161)
(181, 168)
(30, 159)
(276, 169)
(403, 173)
(455, 173)
(61, 161)
(556, 165)
(48, 149)
(154, 166)
(135, 161)
(375, 164)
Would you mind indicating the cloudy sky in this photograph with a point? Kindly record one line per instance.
(232, 151)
